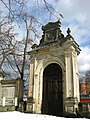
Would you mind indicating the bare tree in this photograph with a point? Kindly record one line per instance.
(14, 52)
(6, 38)
(87, 74)
(9, 52)
(21, 47)
(13, 7)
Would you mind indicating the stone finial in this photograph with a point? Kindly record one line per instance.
(69, 34)
(34, 46)
(68, 31)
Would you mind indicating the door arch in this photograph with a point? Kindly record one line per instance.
(52, 100)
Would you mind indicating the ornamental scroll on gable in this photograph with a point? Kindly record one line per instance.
(51, 33)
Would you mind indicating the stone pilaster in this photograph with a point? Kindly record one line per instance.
(31, 100)
(31, 81)
(72, 86)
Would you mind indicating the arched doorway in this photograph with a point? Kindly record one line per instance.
(52, 102)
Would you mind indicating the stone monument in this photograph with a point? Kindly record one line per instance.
(10, 94)
(54, 83)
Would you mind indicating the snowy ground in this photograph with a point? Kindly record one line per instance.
(26, 116)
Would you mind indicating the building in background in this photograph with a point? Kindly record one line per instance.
(85, 94)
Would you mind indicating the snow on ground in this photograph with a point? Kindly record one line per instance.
(27, 116)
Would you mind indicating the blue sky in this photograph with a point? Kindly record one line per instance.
(76, 17)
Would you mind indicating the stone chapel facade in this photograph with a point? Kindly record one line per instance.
(54, 82)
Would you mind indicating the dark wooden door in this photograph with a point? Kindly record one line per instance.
(52, 90)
